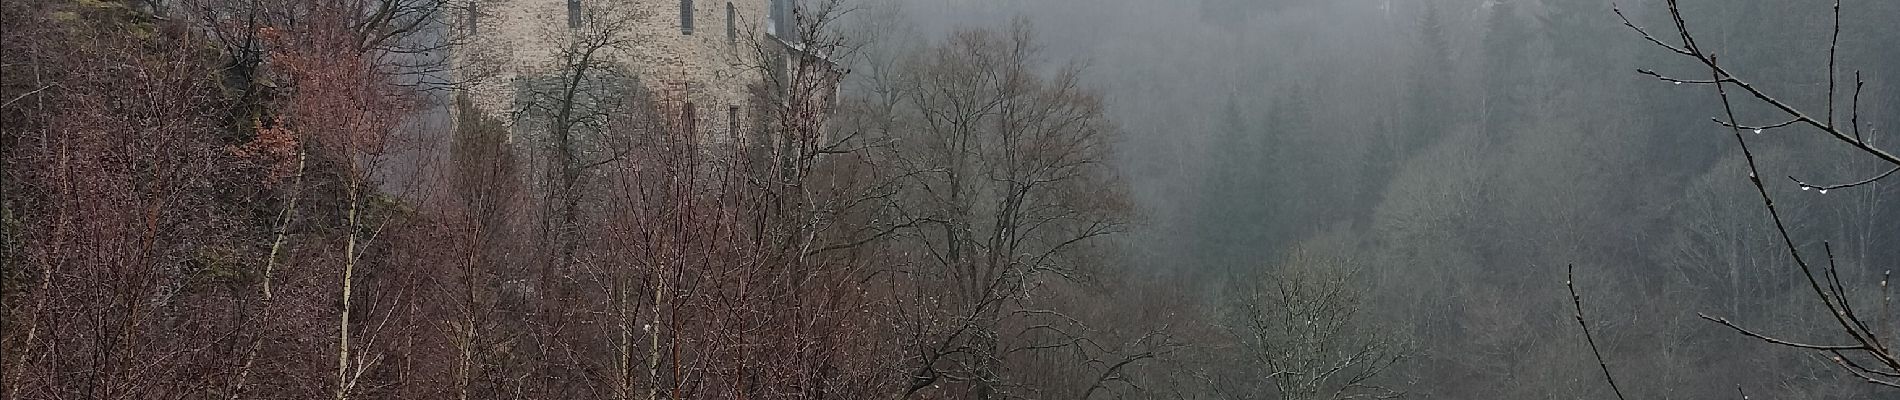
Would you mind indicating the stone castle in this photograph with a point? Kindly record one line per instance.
(703, 55)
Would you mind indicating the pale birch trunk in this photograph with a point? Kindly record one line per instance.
(343, 381)
(282, 235)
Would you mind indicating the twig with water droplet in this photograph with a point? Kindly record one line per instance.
(1825, 188)
(1757, 129)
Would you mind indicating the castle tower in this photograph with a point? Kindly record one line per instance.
(701, 51)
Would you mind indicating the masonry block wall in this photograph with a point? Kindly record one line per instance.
(706, 54)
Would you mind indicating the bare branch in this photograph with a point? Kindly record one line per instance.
(1824, 188)
(1570, 278)
(1766, 338)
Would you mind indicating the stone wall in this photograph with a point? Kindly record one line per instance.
(523, 38)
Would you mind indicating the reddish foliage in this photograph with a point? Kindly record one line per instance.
(274, 147)
(114, 221)
(171, 238)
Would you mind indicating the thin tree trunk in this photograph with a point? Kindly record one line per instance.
(466, 369)
(653, 348)
(349, 272)
(270, 265)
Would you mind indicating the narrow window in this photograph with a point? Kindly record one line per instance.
(772, 18)
(732, 121)
(573, 14)
(732, 29)
(686, 17)
(783, 25)
(688, 121)
(474, 19)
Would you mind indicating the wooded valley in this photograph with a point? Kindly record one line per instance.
(939, 199)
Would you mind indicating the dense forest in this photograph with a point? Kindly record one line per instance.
(958, 199)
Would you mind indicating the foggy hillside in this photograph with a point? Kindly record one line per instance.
(1466, 151)
(953, 199)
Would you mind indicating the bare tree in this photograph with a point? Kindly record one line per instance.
(410, 38)
(565, 115)
(1003, 197)
(486, 192)
(110, 208)
(345, 106)
(1868, 353)
(1301, 323)
(1860, 345)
